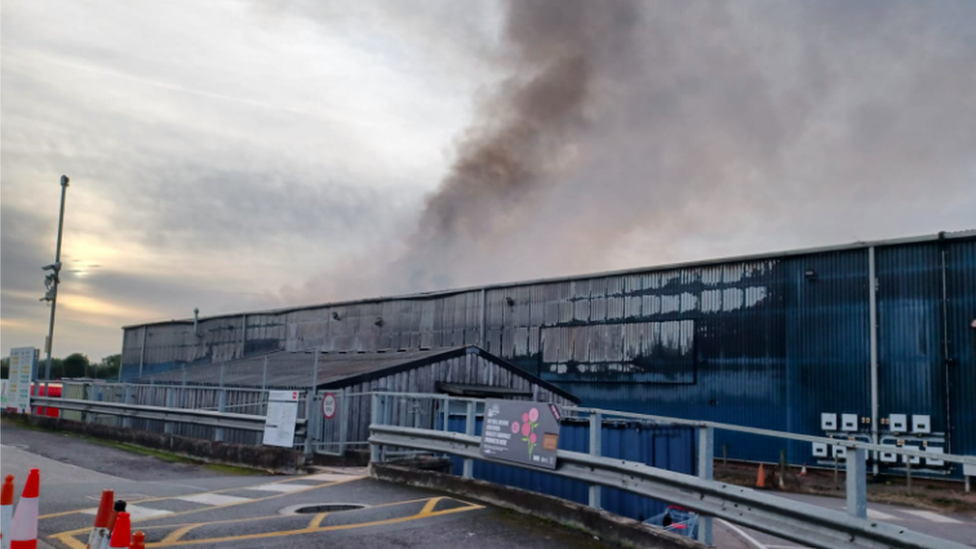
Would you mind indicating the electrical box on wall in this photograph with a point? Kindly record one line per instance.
(840, 452)
(820, 449)
(848, 422)
(935, 462)
(828, 422)
(912, 459)
(921, 424)
(898, 423)
(889, 457)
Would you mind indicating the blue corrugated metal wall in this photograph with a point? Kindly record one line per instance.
(671, 448)
(961, 316)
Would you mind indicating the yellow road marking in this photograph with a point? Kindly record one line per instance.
(173, 538)
(310, 530)
(222, 490)
(316, 520)
(178, 533)
(168, 515)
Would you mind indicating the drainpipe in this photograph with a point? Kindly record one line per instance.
(873, 315)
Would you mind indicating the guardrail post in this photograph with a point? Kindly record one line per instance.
(857, 486)
(168, 426)
(706, 465)
(469, 423)
(596, 449)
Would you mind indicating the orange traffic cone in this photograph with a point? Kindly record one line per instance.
(761, 477)
(138, 541)
(6, 511)
(122, 534)
(803, 471)
(23, 529)
(100, 532)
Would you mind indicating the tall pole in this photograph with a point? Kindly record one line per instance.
(54, 290)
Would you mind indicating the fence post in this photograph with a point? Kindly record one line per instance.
(596, 450)
(168, 426)
(706, 465)
(264, 375)
(447, 414)
(344, 418)
(221, 403)
(311, 414)
(374, 416)
(128, 397)
(857, 487)
(90, 416)
(469, 422)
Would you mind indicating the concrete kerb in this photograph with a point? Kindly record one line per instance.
(608, 527)
(278, 460)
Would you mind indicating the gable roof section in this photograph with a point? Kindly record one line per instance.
(292, 370)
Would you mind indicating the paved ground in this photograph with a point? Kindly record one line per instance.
(179, 504)
(958, 527)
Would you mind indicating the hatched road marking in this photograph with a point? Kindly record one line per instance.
(212, 499)
(932, 517)
(278, 487)
(880, 515)
(136, 512)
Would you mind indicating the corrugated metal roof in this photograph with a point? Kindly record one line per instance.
(295, 369)
(286, 369)
(639, 270)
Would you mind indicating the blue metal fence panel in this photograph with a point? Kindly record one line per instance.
(666, 447)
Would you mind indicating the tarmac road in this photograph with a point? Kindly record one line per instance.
(189, 505)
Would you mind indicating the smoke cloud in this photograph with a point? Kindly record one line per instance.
(636, 133)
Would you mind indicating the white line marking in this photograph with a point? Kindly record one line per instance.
(880, 515)
(213, 499)
(743, 535)
(331, 477)
(280, 487)
(932, 517)
(136, 512)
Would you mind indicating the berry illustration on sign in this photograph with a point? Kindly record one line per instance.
(530, 420)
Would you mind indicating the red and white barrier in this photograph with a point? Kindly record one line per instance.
(23, 529)
(6, 511)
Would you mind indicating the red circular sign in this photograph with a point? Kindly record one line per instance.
(329, 405)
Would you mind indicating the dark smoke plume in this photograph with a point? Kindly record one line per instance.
(639, 133)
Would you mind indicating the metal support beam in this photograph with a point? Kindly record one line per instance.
(596, 450)
(221, 402)
(374, 418)
(706, 465)
(857, 486)
(168, 426)
(128, 397)
(873, 325)
(469, 421)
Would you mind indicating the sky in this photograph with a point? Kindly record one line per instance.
(240, 155)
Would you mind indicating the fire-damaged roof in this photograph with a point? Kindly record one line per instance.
(285, 369)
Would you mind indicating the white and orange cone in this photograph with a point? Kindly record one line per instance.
(803, 471)
(6, 511)
(100, 532)
(122, 534)
(23, 529)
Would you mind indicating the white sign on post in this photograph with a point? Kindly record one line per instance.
(279, 425)
(22, 362)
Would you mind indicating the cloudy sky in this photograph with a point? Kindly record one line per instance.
(238, 155)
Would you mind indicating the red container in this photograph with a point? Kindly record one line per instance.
(38, 389)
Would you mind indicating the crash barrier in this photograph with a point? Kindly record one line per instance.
(781, 517)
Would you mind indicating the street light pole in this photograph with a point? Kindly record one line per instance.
(53, 293)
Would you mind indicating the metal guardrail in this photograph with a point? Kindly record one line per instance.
(847, 443)
(784, 518)
(207, 418)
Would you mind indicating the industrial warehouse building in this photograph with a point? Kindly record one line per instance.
(870, 340)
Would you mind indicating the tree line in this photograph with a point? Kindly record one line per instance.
(73, 365)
